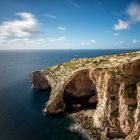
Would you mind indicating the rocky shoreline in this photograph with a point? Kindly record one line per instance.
(75, 127)
(87, 128)
(86, 123)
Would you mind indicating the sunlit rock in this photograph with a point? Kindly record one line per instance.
(104, 92)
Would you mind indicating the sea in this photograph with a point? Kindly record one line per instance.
(21, 115)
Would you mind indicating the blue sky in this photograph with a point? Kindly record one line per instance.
(69, 24)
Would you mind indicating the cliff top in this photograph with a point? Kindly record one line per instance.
(60, 72)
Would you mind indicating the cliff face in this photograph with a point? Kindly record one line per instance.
(106, 89)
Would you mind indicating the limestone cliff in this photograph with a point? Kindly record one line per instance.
(103, 91)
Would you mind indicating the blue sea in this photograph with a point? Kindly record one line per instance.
(21, 116)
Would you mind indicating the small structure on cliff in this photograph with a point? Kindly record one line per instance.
(106, 88)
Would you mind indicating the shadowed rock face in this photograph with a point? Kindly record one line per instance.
(81, 92)
(109, 85)
(38, 80)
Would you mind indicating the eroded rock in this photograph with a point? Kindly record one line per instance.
(38, 81)
(107, 87)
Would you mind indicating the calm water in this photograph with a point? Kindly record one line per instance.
(21, 116)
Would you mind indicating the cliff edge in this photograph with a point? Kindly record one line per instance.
(102, 94)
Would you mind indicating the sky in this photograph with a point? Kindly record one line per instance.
(69, 24)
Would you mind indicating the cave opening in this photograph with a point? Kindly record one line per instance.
(80, 93)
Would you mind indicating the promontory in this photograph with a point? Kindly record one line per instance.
(101, 94)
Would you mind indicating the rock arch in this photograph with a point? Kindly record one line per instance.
(80, 92)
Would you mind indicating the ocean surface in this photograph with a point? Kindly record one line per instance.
(21, 116)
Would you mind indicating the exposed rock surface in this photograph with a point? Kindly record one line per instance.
(103, 91)
(39, 81)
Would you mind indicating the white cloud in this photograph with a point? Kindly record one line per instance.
(116, 34)
(50, 39)
(120, 42)
(134, 12)
(50, 16)
(73, 3)
(135, 41)
(90, 42)
(16, 34)
(23, 27)
(121, 25)
(61, 38)
(61, 28)
(20, 43)
(32, 43)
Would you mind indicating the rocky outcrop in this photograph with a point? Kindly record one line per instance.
(39, 81)
(105, 90)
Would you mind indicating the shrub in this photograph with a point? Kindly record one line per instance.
(129, 93)
(115, 113)
(120, 73)
(129, 116)
(132, 107)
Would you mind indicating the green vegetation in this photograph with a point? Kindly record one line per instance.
(101, 61)
(130, 93)
(71, 65)
(128, 59)
(78, 63)
(127, 94)
(62, 106)
(120, 73)
(104, 61)
(132, 107)
(115, 113)
(138, 82)
(99, 68)
(95, 62)
(53, 75)
(129, 116)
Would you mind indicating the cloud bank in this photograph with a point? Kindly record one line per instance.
(120, 42)
(23, 27)
(90, 42)
(133, 12)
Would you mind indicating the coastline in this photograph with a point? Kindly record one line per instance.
(103, 93)
(75, 127)
(83, 124)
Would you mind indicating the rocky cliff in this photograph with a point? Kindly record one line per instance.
(102, 94)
